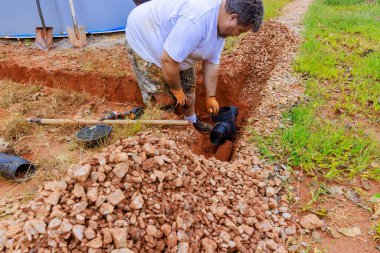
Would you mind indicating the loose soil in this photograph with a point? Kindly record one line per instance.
(340, 213)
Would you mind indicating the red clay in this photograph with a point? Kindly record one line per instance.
(113, 88)
(224, 151)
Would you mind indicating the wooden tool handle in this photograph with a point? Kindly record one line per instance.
(107, 122)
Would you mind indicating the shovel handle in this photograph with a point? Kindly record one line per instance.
(41, 16)
(74, 18)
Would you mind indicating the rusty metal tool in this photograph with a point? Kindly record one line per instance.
(44, 35)
(77, 34)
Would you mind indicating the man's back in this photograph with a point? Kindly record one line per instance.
(186, 29)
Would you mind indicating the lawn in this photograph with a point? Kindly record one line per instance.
(333, 132)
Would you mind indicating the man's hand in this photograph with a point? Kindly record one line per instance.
(212, 105)
(180, 96)
(210, 79)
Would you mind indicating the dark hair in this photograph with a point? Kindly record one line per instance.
(250, 12)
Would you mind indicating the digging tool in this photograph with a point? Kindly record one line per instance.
(44, 35)
(77, 34)
(107, 122)
(134, 113)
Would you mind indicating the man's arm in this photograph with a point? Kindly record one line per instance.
(210, 80)
(210, 77)
(170, 70)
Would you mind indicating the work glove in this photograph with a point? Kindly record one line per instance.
(180, 96)
(212, 105)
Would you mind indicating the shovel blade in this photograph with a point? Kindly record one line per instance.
(44, 37)
(77, 40)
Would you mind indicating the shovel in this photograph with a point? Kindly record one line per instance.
(44, 35)
(77, 35)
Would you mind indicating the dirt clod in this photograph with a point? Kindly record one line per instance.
(311, 221)
(224, 152)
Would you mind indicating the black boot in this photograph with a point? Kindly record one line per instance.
(202, 127)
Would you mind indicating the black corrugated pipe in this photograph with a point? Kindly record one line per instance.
(15, 168)
(225, 127)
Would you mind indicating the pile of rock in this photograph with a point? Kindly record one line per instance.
(147, 194)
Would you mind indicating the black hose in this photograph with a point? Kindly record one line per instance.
(225, 127)
(15, 167)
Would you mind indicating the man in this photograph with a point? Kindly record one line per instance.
(165, 38)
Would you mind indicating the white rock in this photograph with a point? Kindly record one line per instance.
(121, 157)
(78, 190)
(78, 232)
(81, 173)
(183, 247)
(121, 169)
(53, 199)
(115, 197)
(106, 208)
(92, 193)
(137, 201)
(119, 237)
(54, 223)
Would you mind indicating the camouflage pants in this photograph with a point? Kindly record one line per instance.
(151, 80)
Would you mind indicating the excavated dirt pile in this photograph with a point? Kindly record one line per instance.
(149, 194)
(245, 71)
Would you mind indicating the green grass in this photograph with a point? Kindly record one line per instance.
(321, 147)
(340, 61)
(272, 8)
(343, 47)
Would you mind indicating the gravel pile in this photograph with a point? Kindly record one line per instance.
(148, 194)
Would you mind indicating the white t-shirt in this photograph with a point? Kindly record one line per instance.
(186, 29)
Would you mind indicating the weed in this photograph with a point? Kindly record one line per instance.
(16, 128)
(12, 93)
(63, 97)
(150, 113)
(53, 104)
(3, 56)
(54, 168)
(315, 195)
(377, 231)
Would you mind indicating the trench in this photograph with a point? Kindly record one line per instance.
(242, 76)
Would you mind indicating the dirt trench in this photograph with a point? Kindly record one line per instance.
(110, 75)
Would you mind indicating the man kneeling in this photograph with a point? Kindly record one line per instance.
(165, 38)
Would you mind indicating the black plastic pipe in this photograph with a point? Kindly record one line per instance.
(14, 167)
(225, 127)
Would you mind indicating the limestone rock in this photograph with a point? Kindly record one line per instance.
(81, 173)
(78, 232)
(311, 221)
(116, 197)
(137, 201)
(121, 169)
(119, 237)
